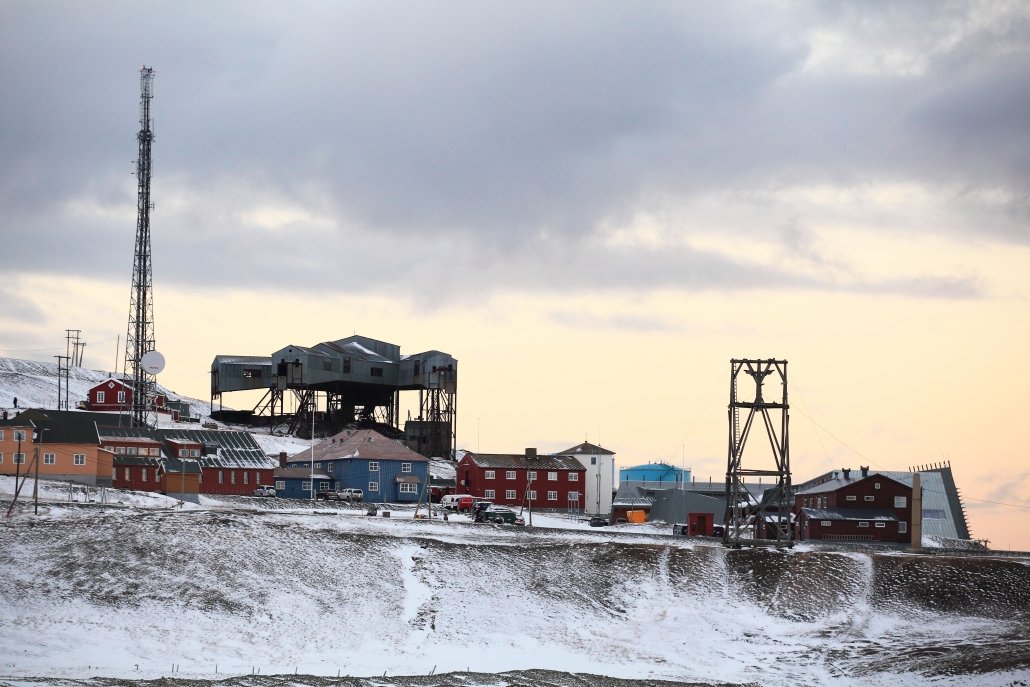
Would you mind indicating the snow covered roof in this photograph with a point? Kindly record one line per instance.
(367, 444)
(519, 461)
(850, 514)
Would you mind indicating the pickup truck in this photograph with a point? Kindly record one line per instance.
(328, 495)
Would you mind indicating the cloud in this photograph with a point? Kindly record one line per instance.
(377, 142)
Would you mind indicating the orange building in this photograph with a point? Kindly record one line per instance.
(66, 450)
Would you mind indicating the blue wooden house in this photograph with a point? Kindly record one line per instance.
(295, 482)
(386, 470)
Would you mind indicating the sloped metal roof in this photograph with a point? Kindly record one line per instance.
(586, 448)
(519, 461)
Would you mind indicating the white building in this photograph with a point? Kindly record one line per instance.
(600, 476)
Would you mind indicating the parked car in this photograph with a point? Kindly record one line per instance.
(452, 501)
(599, 521)
(478, 505)
(327, 495)
(497, 514)
(352, 495)
(264, 490)
(465, 503)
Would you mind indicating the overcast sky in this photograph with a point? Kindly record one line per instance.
(528, 145)
(542, 185)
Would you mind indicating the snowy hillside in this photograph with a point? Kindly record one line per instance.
(35, 385)
(239, 588)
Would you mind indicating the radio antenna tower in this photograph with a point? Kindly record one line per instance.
(140, 337)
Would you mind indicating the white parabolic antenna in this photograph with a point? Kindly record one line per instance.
(153, 362)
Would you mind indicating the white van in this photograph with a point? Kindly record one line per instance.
(450, 501)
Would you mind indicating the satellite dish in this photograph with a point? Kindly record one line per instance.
(152, 362)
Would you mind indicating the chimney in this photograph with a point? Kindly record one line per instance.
(282, 459)
(847, 472)
(530, 454)
(865, 470)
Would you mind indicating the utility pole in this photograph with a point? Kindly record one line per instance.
(140, 337)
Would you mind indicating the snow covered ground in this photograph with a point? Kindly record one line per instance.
(134, 586)
(141, 587)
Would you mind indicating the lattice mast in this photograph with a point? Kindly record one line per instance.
(749, 520)
(140, 337)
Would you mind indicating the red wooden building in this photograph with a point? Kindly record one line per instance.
(547, 482)
(194, 461)
(110, 395)
(862, 508)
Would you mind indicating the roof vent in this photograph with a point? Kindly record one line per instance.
(530, 454)
(847, 473)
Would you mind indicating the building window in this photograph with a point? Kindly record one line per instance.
(19, 458)
(79, 459)
(552, 476)
(851, 497)
(304, 486)
(100, 397)
(509, 474)
(902, 527)
(49, 459)
(881, 524)
(280, 484)
(573, 476)
(194, 453)
(373, 487)
(183, 452)
(531, 475)
(127, 477)
(155, 451)
(114, 473)
(373, 466)
(346, 366)
(825, 523)
(246, 477)
(323, 486)
(870, 497)
(573, 496)
(1, 458)
(329, 468)
(509, 494)
(593, 460)
(405, 467)
(318, 466)
(552, 496)
(489, 474)
(876, 485)
(408, 488)
(232, 477)
(1, 435)
(531, 494)
(376, 372)
(900, 501)
(19, 435)
(488, 494)
(221, 477)
(121, 397)
(143, 474)
(863, 524)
